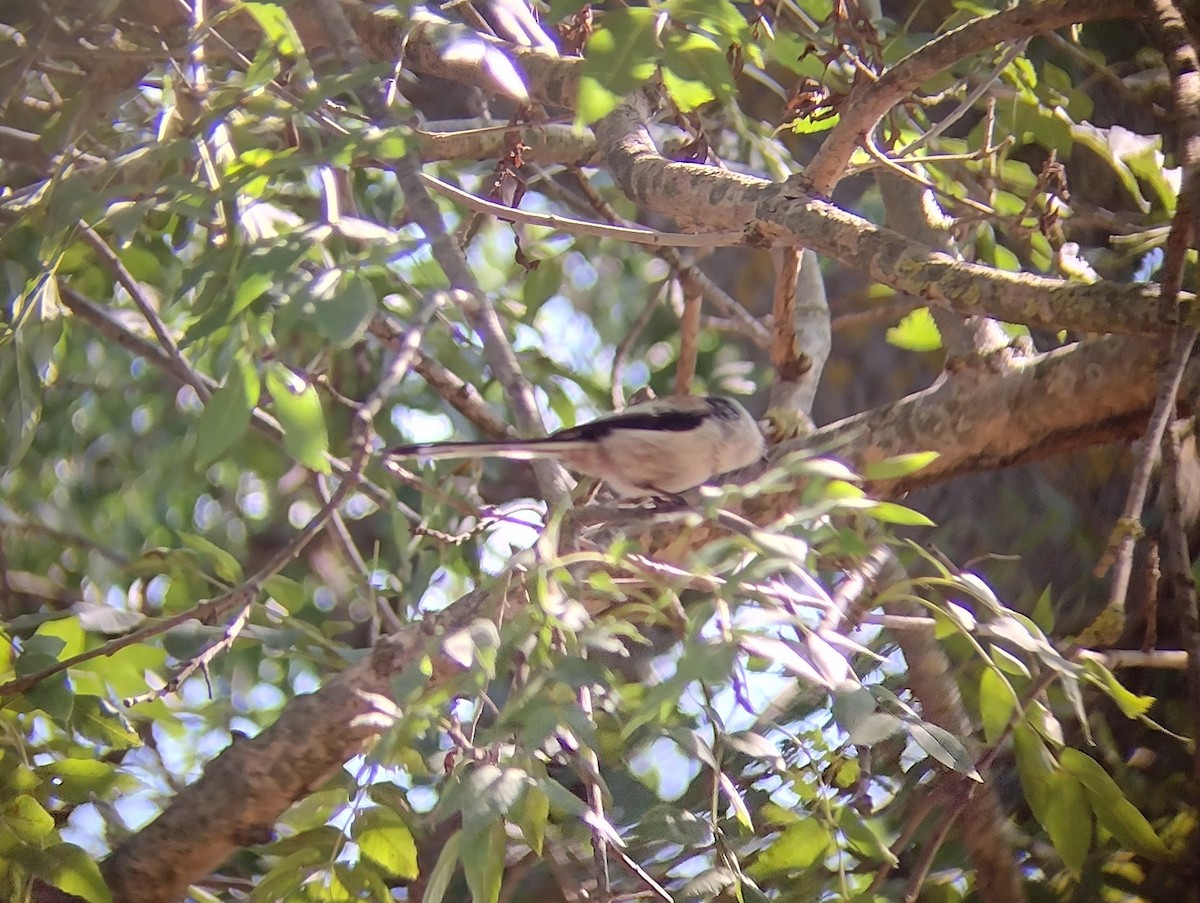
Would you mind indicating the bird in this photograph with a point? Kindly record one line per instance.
(657, 448)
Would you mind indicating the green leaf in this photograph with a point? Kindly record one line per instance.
(799, 847)
(54, 695)
(1009, 663)
(740, 810)
(619, 57)
(812, 125)
(997, 703)
(251, 286)
(1131, 704)
(26, 818)
(386, 840)
(342, 305)
(1098, 141)
(899, 466)
(1043, 611)
(1113, 810)
(75, 872)
(945, 747)
(278, 28)
(531, 814)
(891, 513)
(1036, 768)
(93, 718)
(474, 646)
(227, 414)
(857, 712)
(77, 780)
(916, 332)
(316, 808)
(718, 16)
(289, 873)
(298, 408)
(287, 592)
(224, 565)
(864, 837)
(1068, 819)
(483, 862)
(708, 884)
(96, 617)
(491, 792)
(695, 70)
(687, 94)
(67, 631)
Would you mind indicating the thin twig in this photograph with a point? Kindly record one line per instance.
(406, 351)
(920, 869)
(107, 325)
(110, 259)
(206, 612)
(1167, 659)
(687, 273)
(657, 889)
(64, 536)
(1183, 63)
(886, 312)
(596, 802)
(689, 338)
(621, 355)
(969, 101)
(497, 350)
(785, 354)
(462, 396)
(982, 764)
(345, 543)
(871, 146)
(232, 631)
(7, 608)
(1177, 567)
(638, 236)
(866, 107)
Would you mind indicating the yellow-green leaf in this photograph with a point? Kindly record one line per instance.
(26, 818)
(916, 332)
(299, 411)
(386, 840)
(899, 466)
(227, 414)
(1068, 819)
(1113, 810)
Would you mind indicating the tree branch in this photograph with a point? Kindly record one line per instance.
(245, 789)
(1085, 394)
(707, 197)
(1177, 342)
(867, 104)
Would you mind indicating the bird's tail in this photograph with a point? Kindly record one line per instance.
(518, 449)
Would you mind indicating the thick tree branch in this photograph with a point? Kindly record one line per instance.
(245, 789)
(710, 198)
(1085, 394)
(867, 104)
(543, 143)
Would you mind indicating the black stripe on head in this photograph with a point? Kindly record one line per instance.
(668, 421)
(723, 408)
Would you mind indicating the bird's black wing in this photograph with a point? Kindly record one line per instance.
(666, 421)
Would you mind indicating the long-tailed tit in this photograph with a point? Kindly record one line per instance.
(660, 447)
